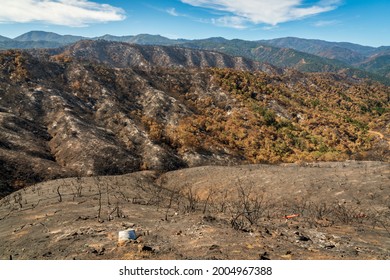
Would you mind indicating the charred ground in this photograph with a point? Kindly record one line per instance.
(205, 212)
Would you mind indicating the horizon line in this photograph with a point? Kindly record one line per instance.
(191, 39)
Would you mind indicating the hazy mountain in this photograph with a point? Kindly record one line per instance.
(38, 40)
(304, 55)
(109, 37)
(384, 49)
(146, 39)
(142, 39)
(12, 44)
(35, 36)
(99, 107)
(301, 54)
(282, 57)
(346, 52)
(379, 64)
(42, 39)
(276, 56)
(4, 39)
(370, 59)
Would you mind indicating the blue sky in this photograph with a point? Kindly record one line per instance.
(357, 21)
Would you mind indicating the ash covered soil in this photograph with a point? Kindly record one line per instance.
(207, 212)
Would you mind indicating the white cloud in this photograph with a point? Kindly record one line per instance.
(323, 23)
(172, 12)
(270, 12)
(230, 21)
(270, 27)
(61, 12)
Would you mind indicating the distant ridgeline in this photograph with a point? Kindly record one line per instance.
(301, 54)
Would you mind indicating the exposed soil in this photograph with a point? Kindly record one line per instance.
(206, 213)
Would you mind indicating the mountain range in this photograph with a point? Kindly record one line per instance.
(301, 54)
(96, 107)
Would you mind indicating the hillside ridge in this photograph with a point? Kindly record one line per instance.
(101, 108)
(305, 55)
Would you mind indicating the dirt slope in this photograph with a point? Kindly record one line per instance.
(206, 213)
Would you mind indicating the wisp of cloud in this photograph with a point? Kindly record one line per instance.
(264, 11)
(60, 12)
